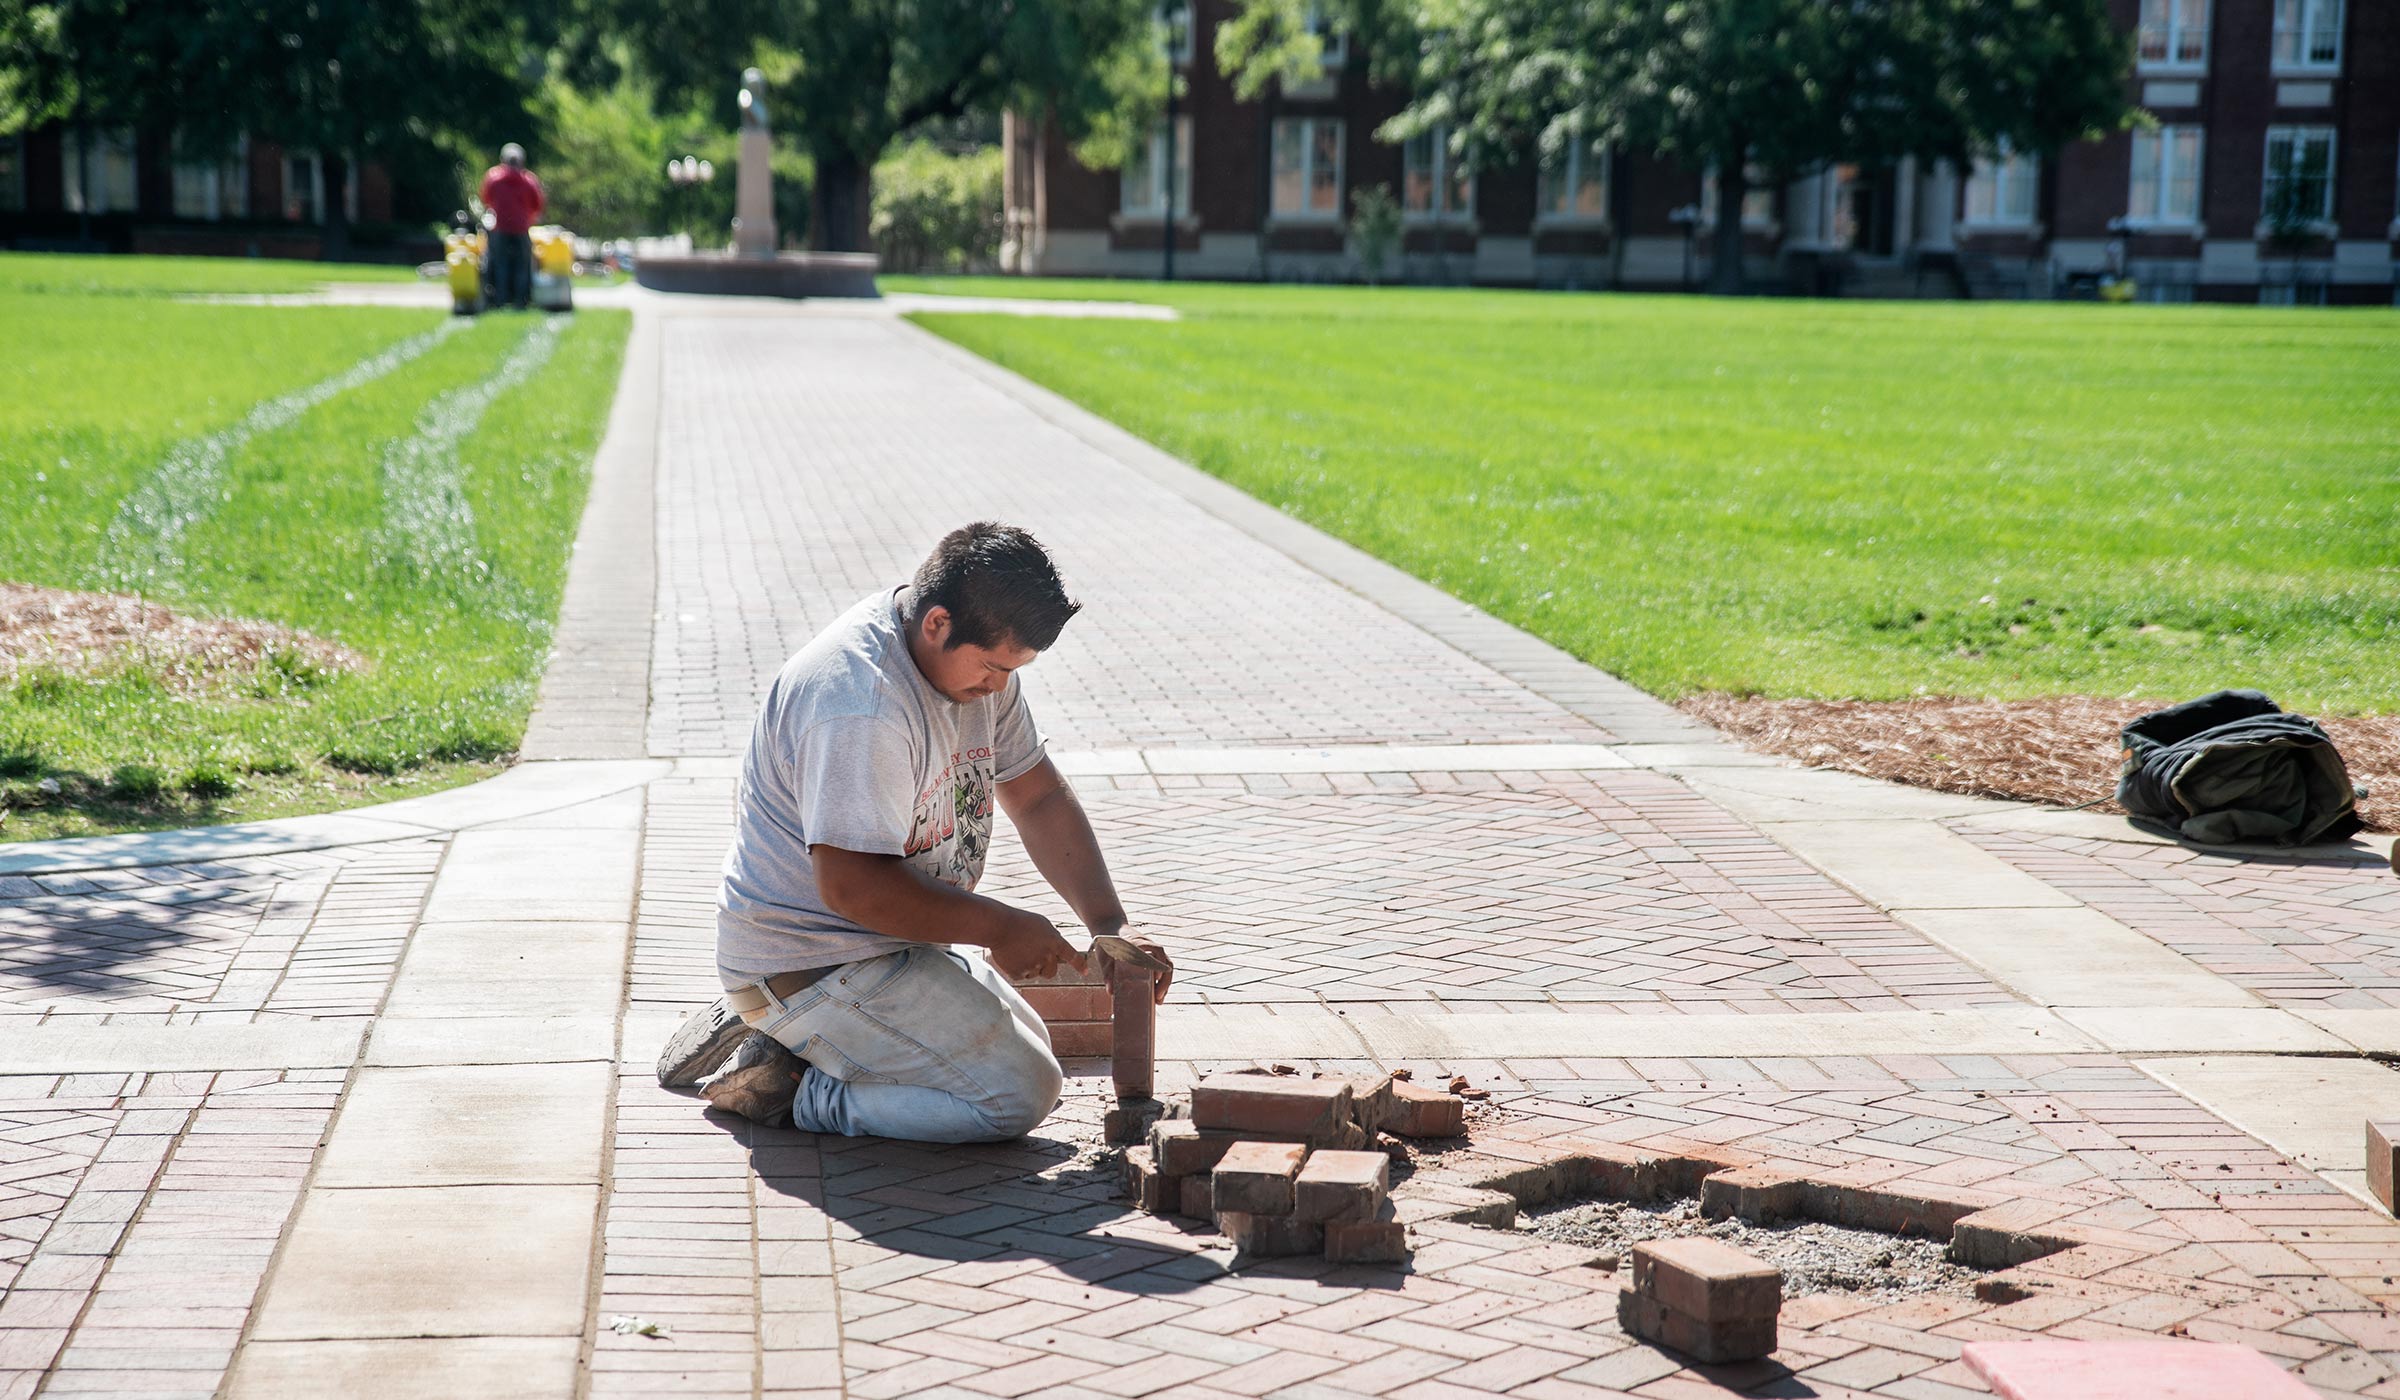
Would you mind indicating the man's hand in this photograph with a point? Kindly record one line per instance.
(1030, 946)
(1158, 990)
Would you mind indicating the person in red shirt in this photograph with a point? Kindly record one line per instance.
(514, 196)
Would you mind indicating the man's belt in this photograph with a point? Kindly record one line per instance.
(749, 1003)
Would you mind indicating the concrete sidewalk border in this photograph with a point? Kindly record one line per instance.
(527, 790)
(86, 1045)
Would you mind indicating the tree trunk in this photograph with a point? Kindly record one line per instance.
(837, 207)
(1733, 188)
(336, 170)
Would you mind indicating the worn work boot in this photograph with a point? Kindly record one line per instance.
(757, 1082)
(700, 1045)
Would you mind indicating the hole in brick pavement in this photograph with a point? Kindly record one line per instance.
(1815, 1257)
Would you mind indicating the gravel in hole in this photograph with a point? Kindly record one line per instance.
(1815, 1257)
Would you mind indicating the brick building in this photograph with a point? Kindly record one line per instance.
(143, 195)
(2273, 175)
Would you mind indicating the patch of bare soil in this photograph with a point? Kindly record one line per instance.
(1815, 1257)
(2063, 750)
(92, 635)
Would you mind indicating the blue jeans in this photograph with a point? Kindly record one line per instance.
(929, 1044)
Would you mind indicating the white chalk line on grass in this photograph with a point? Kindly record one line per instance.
(139, 550)
(428, 522)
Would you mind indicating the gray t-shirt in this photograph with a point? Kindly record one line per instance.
(855, 749)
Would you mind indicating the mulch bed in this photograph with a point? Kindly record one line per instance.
(2062, 750)
(89, 636)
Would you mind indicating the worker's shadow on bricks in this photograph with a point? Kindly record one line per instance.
(1054, 1197)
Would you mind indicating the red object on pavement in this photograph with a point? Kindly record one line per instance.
(2061, 1370)
(513, 196)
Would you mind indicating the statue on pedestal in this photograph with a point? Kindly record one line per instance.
(753, 190)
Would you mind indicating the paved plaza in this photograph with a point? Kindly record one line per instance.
(363, 1105)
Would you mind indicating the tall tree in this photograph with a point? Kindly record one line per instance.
(853, 75)
(1786, 85)
(349, 79)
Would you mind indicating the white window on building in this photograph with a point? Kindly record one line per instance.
(1433, 184)
(2166, 176)
(12, 173)
(1142, 186)
(1574, 184)
(1334, 45)
(209, 187)
(1758, 201)
(2003, 189)
(2308, 34)
(2174, 33)
(2298, 190)
(99, 176)
(1308, 168)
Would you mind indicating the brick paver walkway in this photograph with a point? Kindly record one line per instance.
(252, 1196)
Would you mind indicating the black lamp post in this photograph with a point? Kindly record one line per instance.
(1174, 12)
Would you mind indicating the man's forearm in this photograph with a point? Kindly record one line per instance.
(884, 894)
(1065, 850)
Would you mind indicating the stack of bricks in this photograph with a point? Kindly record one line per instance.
(1702, 1297)
(1290, 1166)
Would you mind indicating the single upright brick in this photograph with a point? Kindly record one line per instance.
(1341, 1186)
(1198, 1197)
(1707, 1280)
(1133, 1015)
(1270, 1236)
(1284, 1107)
(1130, 1120)
(2382, 1155)
(1425, 1113)
(1256, 1178)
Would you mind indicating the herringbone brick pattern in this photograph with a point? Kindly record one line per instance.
(1016, 1271)
(145, 1212)
(802, 470)
(314, 934)
(1608, 891)
(2316, 932)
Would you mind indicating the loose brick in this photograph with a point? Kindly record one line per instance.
(1341, 1186)
(1714, 1343)
(1133, 1052)
(1270, 1236)
(1198, 1197)
(1130, 1120)
(1071, 1040)
(1184, 1147)
(1256, 1178)
(1373, 1103)
(1425, 1113)
(1059, 1004)
(1707, 1280)
(1146, 1185)
(1380, 1239)
(1263, 1103)
(2381, 1154)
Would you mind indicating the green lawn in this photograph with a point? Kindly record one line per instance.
(1805, 498)
(395, 481)
(147, 276)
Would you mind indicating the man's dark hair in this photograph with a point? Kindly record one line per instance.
(999, 585)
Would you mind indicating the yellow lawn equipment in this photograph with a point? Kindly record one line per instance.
(553, 268)
(462, 258)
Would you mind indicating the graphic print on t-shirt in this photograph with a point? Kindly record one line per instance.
(951, 824)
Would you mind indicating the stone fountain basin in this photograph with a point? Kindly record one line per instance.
(783, 275)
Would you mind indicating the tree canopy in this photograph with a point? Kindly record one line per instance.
(854, 75)
(349, 79)
(1782, 84)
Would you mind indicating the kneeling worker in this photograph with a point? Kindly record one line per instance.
(865, 813)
